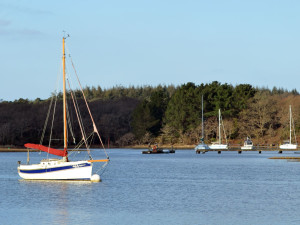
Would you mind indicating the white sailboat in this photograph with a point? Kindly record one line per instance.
(288, 143)
(218, 144)
(64, 169)
(202, 145)
(248, 144)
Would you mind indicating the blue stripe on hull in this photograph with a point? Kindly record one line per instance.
(56, 168)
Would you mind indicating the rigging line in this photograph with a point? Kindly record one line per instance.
(94, 125)
(223, 129)
(294, 130)
(51, 130)
(70, 124)
(103, 168)
(81, 142)
(46, 121)
(79, 145)
(80, 125)
(92, 137)
(67, 110)
(80, 117)
(77, 106)
(54, 111)
(50, 106)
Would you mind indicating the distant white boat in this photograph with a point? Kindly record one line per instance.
(248, 144)
(287, 144)
(202, 145)
(218, 144)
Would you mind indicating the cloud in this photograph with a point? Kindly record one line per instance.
(20, 32)
(4, 23)
(7, 26)
(29, 32)
(23, 9)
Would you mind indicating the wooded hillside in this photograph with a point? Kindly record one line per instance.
(162, 114)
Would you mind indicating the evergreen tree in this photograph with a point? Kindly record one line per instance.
(242, 93)
(148, 116)
(183, 111)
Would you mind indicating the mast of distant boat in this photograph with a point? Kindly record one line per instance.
(64, 102)
(290, 124)
(220, 138)
(202, 139)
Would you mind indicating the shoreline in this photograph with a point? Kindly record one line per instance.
(177, 147)
(8, 149)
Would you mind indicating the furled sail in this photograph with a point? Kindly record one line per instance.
(52, 151)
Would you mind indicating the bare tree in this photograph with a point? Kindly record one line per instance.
(260, 118)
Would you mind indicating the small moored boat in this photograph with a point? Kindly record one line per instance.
(287, 144)
(218, 145)
(202, 145)
(248, 144)
(156, 150)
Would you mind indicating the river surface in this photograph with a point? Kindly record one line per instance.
(180, 188)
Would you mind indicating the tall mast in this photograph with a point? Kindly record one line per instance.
(219, 126)
(290, 124)
(64, 100)
(202, 123)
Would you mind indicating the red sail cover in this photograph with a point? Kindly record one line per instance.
(47, 149)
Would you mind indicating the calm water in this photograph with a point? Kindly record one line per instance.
(180, 188)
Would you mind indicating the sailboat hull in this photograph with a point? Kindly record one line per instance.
(201, 147)
(218, 146)
(288, 146)
(247, 147)
(56, 170)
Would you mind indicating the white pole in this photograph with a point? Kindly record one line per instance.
(202, 123)
(290, 124)
(220, 138)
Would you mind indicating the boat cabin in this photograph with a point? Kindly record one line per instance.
(285, 142)
(49, 162)
(248, 142)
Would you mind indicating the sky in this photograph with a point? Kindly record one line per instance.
(140, 42)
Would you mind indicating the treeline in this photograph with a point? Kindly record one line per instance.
(162, 114)
(259, 113)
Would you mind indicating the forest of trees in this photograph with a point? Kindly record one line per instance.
(162, 114)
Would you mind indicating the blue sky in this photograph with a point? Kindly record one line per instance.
(151, 42)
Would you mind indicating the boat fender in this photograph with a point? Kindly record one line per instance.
(95, 178)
